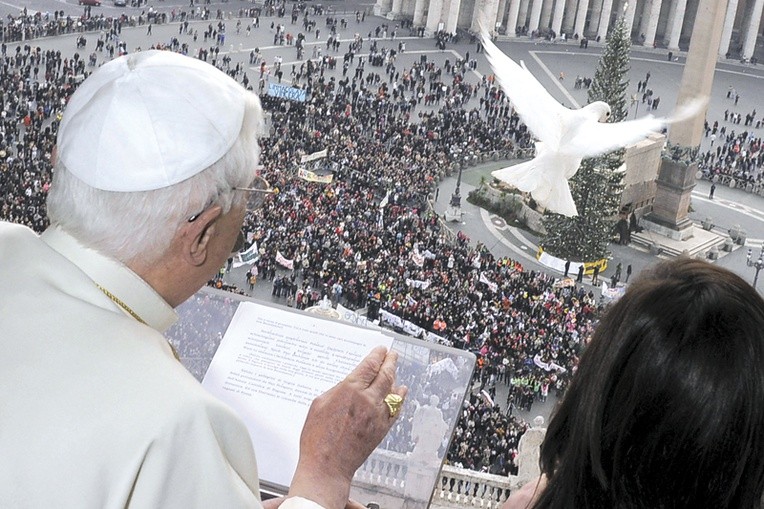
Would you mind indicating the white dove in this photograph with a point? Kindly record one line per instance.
(565, 136)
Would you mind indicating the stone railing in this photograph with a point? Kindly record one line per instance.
(458, 487)
(383, 478)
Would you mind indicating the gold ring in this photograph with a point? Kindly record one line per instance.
(394, 403)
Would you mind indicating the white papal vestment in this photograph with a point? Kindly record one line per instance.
(95, 412)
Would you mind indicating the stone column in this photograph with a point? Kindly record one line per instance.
(653, 16)
(453, 15)
(570, 18)
(382, 7)
(513, 16)
(675, 32)
(583, 6)
(480, 15)
(535, 16)
(419, 6)
(522, 13)
(676, 177)
(433, 16)
(546, 13)
(559, 10)
(607, 6)
(500, 12)
(594, 19)
(628, 16)
(395, 10)
(408, 8)
(752, 29)
(729, 23)
(492, 9)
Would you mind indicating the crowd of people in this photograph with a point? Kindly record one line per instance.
(734, 155)
(369, 237)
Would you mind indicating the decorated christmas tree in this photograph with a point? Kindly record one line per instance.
(597, 186)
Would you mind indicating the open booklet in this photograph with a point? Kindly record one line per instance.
(270, 362)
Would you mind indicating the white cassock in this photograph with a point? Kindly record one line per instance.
(95, 412)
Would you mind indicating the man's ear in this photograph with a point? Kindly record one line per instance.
(198, 233)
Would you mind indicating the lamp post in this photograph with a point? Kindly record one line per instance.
(454, 211)
(635, 100)
(756, 264)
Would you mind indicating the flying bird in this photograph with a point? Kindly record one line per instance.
(565, 136)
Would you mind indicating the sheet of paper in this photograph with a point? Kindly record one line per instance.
(270, 366)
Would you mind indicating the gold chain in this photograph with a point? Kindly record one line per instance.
(121, 304)
(132, 313)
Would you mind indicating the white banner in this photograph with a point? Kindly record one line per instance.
(434, 338)
(493, 286)
(289, 264)
(309, 176)
(612, 293)
(385, 200)
(247, 257)
(417, 259)
(424, 285)
(412, 329)
(353, 317)
(548, 366)
(312, 157)
(558, 263)
(387, 317)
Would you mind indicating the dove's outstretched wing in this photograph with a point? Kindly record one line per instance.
(596, 138)
(541, 112)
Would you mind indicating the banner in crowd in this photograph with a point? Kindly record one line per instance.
(385, 200)
(417, 258)
(559, 264)
(612, 293)
(429, 254)
(312, 177)
(548, 366)
(424, 285)
(246, 257)
(487, 399)
(285, 92)
(289, 264)
(385, 317)
(315, 155)
(493, 286)
(353, 317)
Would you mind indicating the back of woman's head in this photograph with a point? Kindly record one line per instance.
(667, 407)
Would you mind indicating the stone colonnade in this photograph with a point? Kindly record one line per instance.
(653, 22)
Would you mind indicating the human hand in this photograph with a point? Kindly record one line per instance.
(525, 497)
(344, 425)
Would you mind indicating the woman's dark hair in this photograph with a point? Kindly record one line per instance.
(667, 407)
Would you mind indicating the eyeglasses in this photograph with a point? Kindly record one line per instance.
(257, 193)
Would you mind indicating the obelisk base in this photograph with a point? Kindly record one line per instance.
(676, 180)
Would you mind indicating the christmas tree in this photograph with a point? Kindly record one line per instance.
(597, 186)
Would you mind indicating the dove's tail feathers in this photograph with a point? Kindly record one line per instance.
(525, 176)
(556, 197)
(688, 110)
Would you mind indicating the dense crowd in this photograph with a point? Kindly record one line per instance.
(735, 154)
(369, 238)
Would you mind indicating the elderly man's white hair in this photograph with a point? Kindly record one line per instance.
(132, 226)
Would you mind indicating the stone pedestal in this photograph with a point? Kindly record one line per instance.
(676, 177)
(676, 181)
